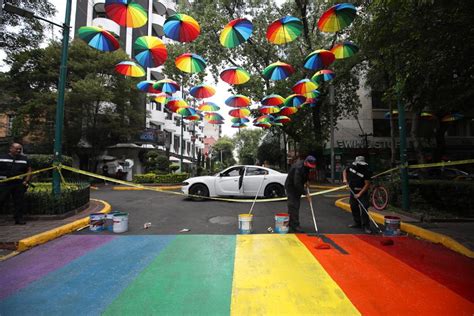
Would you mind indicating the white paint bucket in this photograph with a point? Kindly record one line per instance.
(392, 225)
(109, 221)
(282, 221)
(97, 221)
(245, 223)
(120, 222)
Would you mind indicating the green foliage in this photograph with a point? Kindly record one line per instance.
(156, 161)
(41, 161)
(173, 167)
(269, 150)
(223, 150)
(172, 178)
(246, 143)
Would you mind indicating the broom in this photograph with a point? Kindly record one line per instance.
(319, 242)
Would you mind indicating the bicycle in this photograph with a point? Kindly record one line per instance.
(379, 196)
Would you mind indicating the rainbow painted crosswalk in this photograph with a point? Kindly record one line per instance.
(236, 275)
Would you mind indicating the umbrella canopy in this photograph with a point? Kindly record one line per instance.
(427, 115)
(264, 119)
(239, 120)
(208, 107)
(241, 112)
(238, 125)
(147, 86)
(236, 32)
(238, 101)
(175, 103)
(162, 97)
(284, 30)
(319, 59)
(129, 68)
(213, 117)
(126, 13)
(323, 76)
(186, 111)
(167, 86)
(269, 109)
(282, 119)
(288, 110)
(387, 115)
(304, 86)
(273, 100)
(202, 91)
(344, 50)
(452, 117)
(235, 75)
(182, 28)
(150, 51)
(263, 124)
(215, 122)
(337, 17)
(98, 38)
(278, 71)
(294, 100)
(190, 63)
(195, 117)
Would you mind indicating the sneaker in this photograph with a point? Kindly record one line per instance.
(367, 230)
(296, 230)
(354, 225)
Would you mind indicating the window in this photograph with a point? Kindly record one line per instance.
(253, 171)
(381, 128)
(158, 106)
(176, 144)
(233, 172)
(377, 102)
(188, 147)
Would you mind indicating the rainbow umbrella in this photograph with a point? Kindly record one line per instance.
(235, 75)
(273, 100)
(208, 107)
(278, 71)
(129, 68)
(185, 111)
(182, 28)
(387, 115)
(294, 100)
(323, 76)
(147, 86)
(213, 117)
(304, 86)
(427, 115)
(175, 103)
(288, 110)
(263, 124)
(284, 30)
(269, 109)
(264, 119)
(126, 13)
(239, 120)
(190, 63)
(241, 112)
(236, 32)
(150, 51)
(318, 59)
(282, 119)
(167, 86)
(238, 125)
(452, 117)
(98, 38)
(337, 17)
(215, 122)
(238, 101)
(162, 97)
(195, 117)
(344, 50)
(202, 91)
(277, 123)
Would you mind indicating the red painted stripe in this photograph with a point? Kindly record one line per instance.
(378, 284)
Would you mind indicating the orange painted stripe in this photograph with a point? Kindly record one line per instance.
(379, 284)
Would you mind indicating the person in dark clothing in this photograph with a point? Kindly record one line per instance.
(13, 164)
(358, 175)
(295, 186)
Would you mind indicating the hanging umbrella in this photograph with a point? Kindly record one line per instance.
(208, 107)
(236, 32)
(337, 17)
(162, 97)
(185, 111)
(387, 115)
(427, 115)
(235, 75)
(288, 110)
(284, 30)
(98, 38)
(269, 109)
(150, 51)
(175, 103)
(202, 91)
(238, 101)
(318, 59)
(147, 86)
(273, 100)
(278, 71)
(282, 119)
(213, 117)
(294, 100)
(216, 122)
(263, 124)
(239, 120)
(304, 86)
(190, 63)
(126, 13)
(129, 68)
(195, 117)
(264, 119)
(452, 117)
(182, 28)
(241, 112)
(323, 76)
(167, 86)
(238, 125)
(344, 50)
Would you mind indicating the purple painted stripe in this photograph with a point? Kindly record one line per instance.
(23, 269)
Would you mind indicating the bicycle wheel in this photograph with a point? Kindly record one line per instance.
(379, 198)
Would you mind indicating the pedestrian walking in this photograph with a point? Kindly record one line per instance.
(12, 164)
(295, 184)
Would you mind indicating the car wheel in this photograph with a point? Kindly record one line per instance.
(274, 190)
(198, 190)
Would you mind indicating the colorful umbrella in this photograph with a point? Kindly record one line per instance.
(284, 30)
(129, 68)
(264, 119)
(273, 100)
(282, 119)
(202, 91)
(452, 117)
(190, 63)
(150, 51)
(241, 112)
(215, 122)
(239, 120)
(186, 111)
(344, 50)
(323, 76)
(195, 117)
(208, 107)
(337, 17)
(162, 98)
(238, 125)
(238, 101)
(167, 86)
(387, 115)
(126, 13)
(175, 103)
(213, 117)
(236, 32)
(182, 28)
(269, 109)
(278, 71)
(263, 124)
(294, 100)
(318, 59)
(235, 75)
(427, 115)
(147, 86)
(288, 110)
(304, 86)
(98, 38)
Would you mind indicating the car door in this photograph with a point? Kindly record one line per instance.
(227, 182)
(253, 181)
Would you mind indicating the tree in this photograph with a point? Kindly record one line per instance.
(246, 143)
(156, 161)
(222, 152)
(269, 149)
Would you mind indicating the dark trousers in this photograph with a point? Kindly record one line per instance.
(360, 216)
(17, 192)
(294, 201)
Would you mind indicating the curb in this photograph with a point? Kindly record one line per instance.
(54, 233)
(164, 188)
(414, 230)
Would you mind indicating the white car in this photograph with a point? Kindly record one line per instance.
(238, 181)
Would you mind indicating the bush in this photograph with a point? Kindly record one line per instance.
(174, 167)
(170, 178)
(40, 161)
(156, 161)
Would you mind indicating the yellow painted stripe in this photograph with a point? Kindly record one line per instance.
(277, 275)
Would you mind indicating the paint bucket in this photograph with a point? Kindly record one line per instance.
(120, 222)
(109, 221)
(245, 223)
(392, 225)
(97, 221)
(282, 221)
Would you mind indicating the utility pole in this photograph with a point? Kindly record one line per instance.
(366, 142)
(331, 119)
(403, 152)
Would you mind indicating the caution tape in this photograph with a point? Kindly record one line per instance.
(442, 164)
(28, 173)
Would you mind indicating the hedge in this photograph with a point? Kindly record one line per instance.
(170, 178)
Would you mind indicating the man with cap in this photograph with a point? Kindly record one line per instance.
(295, 184)
(358, 175)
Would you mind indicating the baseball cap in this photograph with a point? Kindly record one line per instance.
(360, 159)
(310, 161)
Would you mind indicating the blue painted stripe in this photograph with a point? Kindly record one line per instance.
(90, 283)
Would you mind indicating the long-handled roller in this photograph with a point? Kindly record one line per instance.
(319, 242)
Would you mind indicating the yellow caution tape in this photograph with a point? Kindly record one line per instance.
(442, 164)
(28, 173)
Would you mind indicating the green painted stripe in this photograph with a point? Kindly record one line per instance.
(193, 275)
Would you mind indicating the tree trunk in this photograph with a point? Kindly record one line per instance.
(415, 124)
